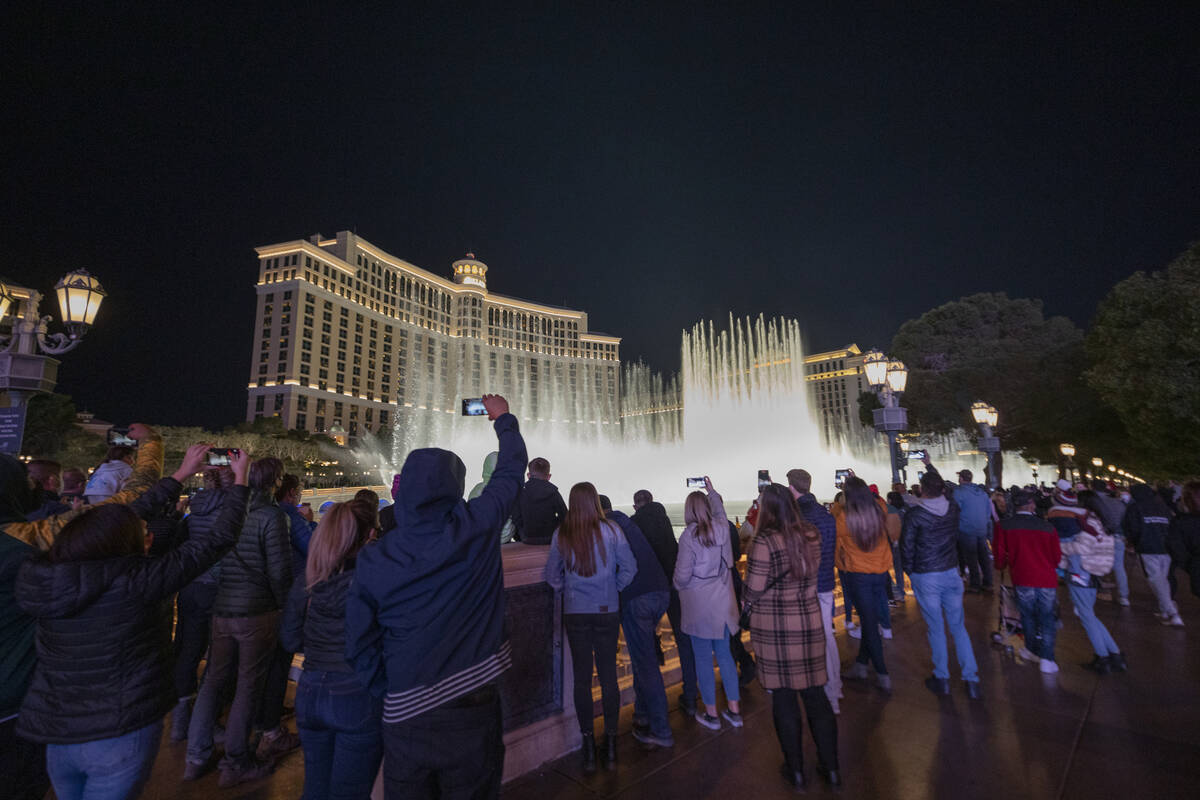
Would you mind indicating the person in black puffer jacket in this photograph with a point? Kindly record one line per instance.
(103, 677)
(255, 578)
(929, 552)
(339, 719)
(194, 606)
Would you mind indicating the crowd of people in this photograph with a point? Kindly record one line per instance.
(114, 590)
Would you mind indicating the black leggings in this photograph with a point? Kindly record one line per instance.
(821, 721)
(594, 636)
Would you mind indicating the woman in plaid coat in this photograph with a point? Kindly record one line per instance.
(785, 628)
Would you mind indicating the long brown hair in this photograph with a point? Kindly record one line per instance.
(341, 533)
(579, 536)
(111, 530)
(864, 517)
(696, 512)
(778, 513)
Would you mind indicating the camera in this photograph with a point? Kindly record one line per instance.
(764, 479)
(916, 455)
(473, 407)
(219, 456)
(695, 483)
(121, 436)
(839, 477)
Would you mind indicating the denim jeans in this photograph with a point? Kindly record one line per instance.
(899, 582)
(106, 769)
(833, 662)
(866, 592)
(1038, 619)
(193, 629)
(1084, 598)
(847, 604)
(683, 646)
(639, 620)
(593, 637)
(246, 644)
(1119, 567)
(940, 597)
(705, 649)
(974, 552)
(340, 725)
(454, 751)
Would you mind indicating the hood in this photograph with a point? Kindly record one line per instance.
(48, 591)
(119, 467)
(973, 488)
(428, 488)
(1148, 500)
(489, 465)
(16, 495)
(653, 509)
(938, 506)
(207, 501)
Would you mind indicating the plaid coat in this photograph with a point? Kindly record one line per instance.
(785, 624)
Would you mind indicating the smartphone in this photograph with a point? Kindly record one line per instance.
(120, 436)
(219, 456)
(473, 407)
(764, 479)
(916, 455)
(839, 477)
(695, 483)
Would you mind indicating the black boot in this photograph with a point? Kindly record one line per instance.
(831, 776)
(588, 752)
(1116, 662)
(794, 777)
(937, 685)
(1099, 664)
(610, 751)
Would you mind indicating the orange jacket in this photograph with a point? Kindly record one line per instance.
(849, 558)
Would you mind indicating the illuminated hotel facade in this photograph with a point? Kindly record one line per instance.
(347, 336)
(835, 380)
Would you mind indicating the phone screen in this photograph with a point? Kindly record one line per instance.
(218, 457)
(916, 455)
(695, 483)
(839, 477)
(473, 407)
(764, 479)
(120, 436)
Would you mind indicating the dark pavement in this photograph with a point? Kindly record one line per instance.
(1070, 735)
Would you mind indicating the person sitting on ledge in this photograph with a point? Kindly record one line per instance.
(540, 508)
(425, 621)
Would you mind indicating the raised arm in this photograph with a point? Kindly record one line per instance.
(495, 504)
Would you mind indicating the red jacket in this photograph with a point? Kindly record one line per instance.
(1028, 545)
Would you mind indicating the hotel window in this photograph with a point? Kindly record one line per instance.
(258, 403)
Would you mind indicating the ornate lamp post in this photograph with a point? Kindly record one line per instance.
(26, 366)
(1064, 464)
(888, 378)
(987, 417)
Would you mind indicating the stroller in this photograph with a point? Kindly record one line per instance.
(1008, 626)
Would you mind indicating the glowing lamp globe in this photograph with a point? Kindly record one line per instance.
(897, 376)
(980, 412)
(1067, 450)
(79, 299)
(993, 416)
(875, 364)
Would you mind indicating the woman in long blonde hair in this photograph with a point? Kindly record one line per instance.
(864, 555)
(708, 607)
(338, 718)
(590, 562)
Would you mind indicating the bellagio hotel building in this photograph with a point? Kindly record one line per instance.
(346, 336)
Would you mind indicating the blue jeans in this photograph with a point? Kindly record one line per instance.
(1119, 567)
(1038, 620)
(340, 724)
(106, 769)
(899, 582)
(704, 649)
(867, 592)
(1084, 598)
(639, 620)
(940, 597)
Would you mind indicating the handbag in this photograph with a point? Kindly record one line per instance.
(748, 607)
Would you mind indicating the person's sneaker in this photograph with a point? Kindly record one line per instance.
(708, 720)
(650, 741)
(194, 772)
(850, 625)
(1123, 601)
(855, 633)
(939, 686)
(688, 707)
(1026, 655)
(733, 717)
(885, 632)
(885, 682)
(275, 743)
(232, 776)
(1175, 621)
(857, 672)
(1048, 667)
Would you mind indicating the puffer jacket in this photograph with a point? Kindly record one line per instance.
(1147, 522)
(315, 622)
(815, 513)
(104, 635)
(203, 510)
(929, 539)
(257, 573)
(1096, 552)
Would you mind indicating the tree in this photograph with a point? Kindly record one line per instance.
(1002, 351)
(49, 418)
(1144, 347)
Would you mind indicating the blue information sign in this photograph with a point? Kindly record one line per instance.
(12, 428)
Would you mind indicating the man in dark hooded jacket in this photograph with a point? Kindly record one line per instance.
(539, 507)
(1147, 525)
(425, 620)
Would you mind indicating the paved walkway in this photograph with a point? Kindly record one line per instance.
(1070, 735)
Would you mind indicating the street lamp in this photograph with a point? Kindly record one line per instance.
(1064, 464)
(986, 417)
(26, 367)
(889, 378)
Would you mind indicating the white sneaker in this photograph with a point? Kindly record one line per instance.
(1048, 667)
(1026, 655)
(850, 625)
(885, 632)
(1175, 621)
(1124, 601)
(855, 632)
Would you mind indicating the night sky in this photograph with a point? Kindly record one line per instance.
(652, 164)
